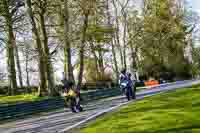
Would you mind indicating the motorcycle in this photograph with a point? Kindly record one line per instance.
(72, 101)
(124, 86)
(125, 90)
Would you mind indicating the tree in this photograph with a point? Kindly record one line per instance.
(113, 47)
(124, 13)
(26, 53)
(196, 61)
(42, 13)
(135, 28)
(43, 87)
(163, 34)
(67, 47)
(117, 35)
(18, 66)
(86, 13)
(10, 17)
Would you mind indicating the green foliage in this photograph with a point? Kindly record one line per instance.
(91, 74)
(196, 61)
(100, 33)
(164, 33)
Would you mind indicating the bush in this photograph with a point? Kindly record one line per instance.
(3, 90)
(98, 85)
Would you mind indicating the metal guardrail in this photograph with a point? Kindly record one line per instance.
(25, 109)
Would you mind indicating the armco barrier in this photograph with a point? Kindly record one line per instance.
(24, 109)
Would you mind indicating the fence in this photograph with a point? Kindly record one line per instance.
(24, 109)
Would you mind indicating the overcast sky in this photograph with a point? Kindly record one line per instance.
(195, 5)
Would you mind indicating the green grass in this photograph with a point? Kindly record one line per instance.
(20, 99)
(177, 112)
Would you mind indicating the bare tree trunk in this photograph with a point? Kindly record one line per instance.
(124, 40)
(48, 65)
(26, 55)
(10, 50)
(115, 62)
(11, 65)
(27, 74)
(18, 67)
(112, 45)
(26, 66)
(133, 54)
(117, 33)
(65, 63)
(101, 62)
(81, 52)
(95, 57)
(43, 88)
(67, 47)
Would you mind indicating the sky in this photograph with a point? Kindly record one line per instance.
(195, 5)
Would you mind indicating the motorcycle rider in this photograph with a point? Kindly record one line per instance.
(71, 96)
(130, 93)
(123, 80)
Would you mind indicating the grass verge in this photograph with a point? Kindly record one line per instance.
(176, 112)
(25, 98)
(20, 99)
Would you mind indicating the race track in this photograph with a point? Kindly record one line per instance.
(63, 120)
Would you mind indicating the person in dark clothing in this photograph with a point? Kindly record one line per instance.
(131, 86)
(65, 84)
(134, 90)
(69, 94)
(125, 83)
(123, 80)
(72, 96)
(123, 75)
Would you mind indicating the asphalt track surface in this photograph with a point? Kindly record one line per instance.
(63, 120)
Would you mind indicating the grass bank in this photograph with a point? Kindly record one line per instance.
(176, 112)
(20, 99)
